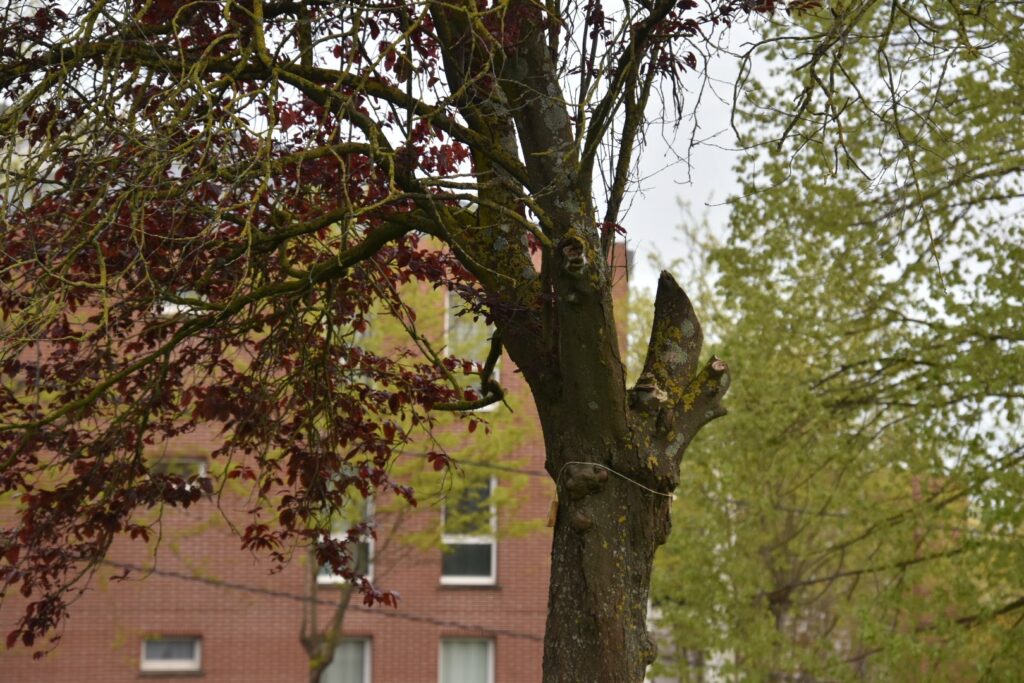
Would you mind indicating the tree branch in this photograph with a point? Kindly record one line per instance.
(673, 398)
(622, 81)
(676, 339)
(492, 391)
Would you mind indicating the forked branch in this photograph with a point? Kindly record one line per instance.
(672, 399)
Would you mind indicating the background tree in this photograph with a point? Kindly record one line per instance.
(866, 523)
(391, 535)
(211, 197)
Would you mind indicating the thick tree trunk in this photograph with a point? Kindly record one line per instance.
(615, 491)
(605, 537)
(613, 453)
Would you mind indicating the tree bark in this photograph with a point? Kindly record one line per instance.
(614, 454)
(615, 491)
(602, 553)
(318, 643)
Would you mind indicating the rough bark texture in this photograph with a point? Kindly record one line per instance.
(613, 453)
(603, 549)
(614, 490)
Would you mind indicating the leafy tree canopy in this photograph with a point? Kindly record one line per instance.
(859, 516)
(203, 202)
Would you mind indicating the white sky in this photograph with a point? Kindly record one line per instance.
(654, 216)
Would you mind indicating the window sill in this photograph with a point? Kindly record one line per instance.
(172, 674)
(341, 583)
(470, 586)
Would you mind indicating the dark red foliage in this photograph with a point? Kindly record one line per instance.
(187, 330)
(207, 242)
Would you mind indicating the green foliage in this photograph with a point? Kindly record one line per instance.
(486, 451)
(858, 516)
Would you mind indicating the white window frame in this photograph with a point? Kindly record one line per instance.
(367, 643)
(473, 539)
(371, 547)
(495, 373)
(170, 309)
(171, 665)
(490, 654)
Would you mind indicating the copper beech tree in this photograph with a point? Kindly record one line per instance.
(203, 201)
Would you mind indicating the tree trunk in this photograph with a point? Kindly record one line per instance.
(614, 494)
(614, 454)
(318, 643)
(605, 536)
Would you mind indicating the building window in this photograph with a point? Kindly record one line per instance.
(182, 466)
(188, 470)
(468, 526)
(357, 336)
(351, 663)
(177, 653)
(467, 660)
(187, 302)
(361, 550)
(468, 338)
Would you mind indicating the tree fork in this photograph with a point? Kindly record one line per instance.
(614, 501)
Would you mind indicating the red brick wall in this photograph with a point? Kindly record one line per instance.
(250, 619)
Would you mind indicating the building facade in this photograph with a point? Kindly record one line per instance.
(472, 604)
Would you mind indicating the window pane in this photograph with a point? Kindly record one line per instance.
(360, 554)
(357, 512)
(348, 665)
(465, 661)
(467, 559)
(467, 338)
(468, 511)
(473, 498)
(180, 466)
(171, 649)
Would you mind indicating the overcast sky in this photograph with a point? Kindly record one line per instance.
(655, 214)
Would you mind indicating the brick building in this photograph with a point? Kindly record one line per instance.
(201, 607)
